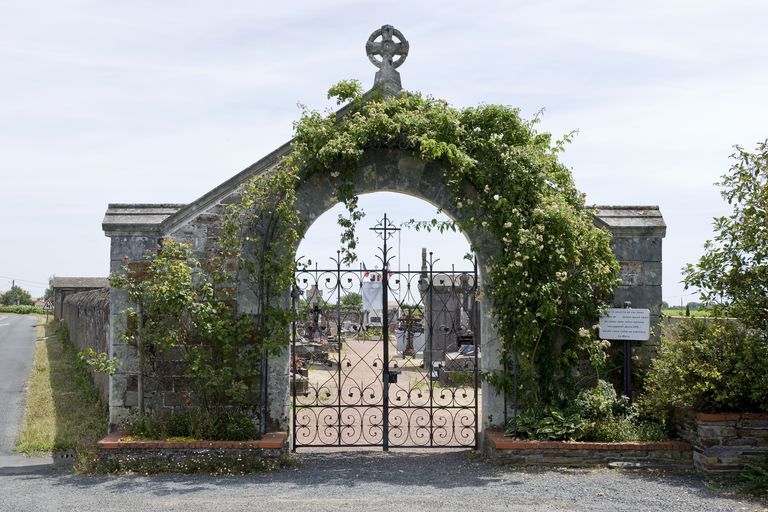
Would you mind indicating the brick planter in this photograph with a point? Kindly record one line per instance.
(723, 442)
(215, 456)
(506, 450)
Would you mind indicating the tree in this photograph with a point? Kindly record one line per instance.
(352, 300)
(17, 296)
(732, 275)
(49, 291)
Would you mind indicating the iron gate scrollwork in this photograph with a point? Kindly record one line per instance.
(384, 357)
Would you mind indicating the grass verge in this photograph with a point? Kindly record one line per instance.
(62, 411)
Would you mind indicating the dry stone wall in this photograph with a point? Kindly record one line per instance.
(723, 442)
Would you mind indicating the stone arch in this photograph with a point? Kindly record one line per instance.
(401, 171)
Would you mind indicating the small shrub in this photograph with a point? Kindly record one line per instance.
(547, 423)
(602, 401)
(597, 414)
(755, 479)
(623, 429)
(711, 366)
(194, 423)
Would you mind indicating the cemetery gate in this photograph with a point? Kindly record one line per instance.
(383, 357)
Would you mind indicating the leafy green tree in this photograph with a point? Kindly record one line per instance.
(48, 295)
(352, 300)
(732, 275)
(721, 366)
(17, 296)
(695, 306)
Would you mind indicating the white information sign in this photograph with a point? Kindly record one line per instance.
(625, 324)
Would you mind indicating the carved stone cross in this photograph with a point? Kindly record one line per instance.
(387, 48)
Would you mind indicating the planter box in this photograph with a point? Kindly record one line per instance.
(210, 456)
(506, 450)
(725, 441)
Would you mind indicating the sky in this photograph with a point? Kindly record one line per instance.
(159, 102)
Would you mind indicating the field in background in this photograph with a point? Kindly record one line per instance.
(681, 312)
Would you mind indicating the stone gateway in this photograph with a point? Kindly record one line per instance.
(135, 229)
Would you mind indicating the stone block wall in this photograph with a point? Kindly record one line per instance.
(723, 442)
(639, 258)
(134, 228)
(505, 450)
(87, 318)
(638, 233)
(165, 384)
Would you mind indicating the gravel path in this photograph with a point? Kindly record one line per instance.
(369, 481)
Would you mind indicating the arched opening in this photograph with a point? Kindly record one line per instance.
(391, 170)
(385, 351)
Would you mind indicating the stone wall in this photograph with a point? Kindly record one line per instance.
(87, 318)
(135, 228)
(165, 385)
(505, 450)
(723, 442)
(234, 457)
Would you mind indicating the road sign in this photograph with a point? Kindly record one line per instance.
(48, 306)
(626, 324)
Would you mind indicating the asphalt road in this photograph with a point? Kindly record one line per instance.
(17, 348)
(369, 482)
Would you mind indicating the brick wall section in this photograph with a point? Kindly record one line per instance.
(723, 442)
(505, 450)
(87, 318)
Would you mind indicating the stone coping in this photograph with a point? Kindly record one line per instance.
(731, 416)
(500, 442)
(271, 440)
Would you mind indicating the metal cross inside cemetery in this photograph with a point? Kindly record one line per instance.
(383, 357)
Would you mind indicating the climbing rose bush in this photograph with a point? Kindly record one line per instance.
(552, 269)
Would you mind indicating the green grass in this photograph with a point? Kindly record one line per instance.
(62, 407)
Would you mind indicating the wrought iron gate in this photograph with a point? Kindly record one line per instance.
(395, 365)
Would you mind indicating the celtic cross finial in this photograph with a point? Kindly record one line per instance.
(391, 53)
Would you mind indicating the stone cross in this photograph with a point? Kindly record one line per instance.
(387, 78)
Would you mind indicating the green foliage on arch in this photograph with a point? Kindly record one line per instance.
(551, 270)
